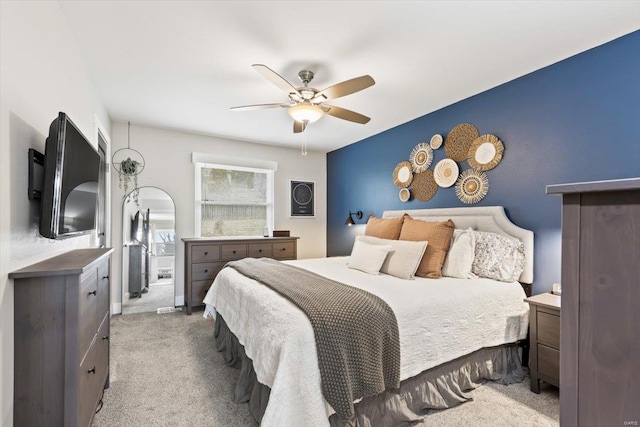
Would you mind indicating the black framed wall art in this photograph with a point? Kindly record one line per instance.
(302, 199)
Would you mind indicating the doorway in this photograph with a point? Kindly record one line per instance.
(148, 253)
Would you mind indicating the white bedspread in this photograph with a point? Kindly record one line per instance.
(439, 320)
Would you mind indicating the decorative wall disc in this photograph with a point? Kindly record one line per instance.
(421, 157)
(459, 140)
(472, 186)
(485, 152)
(436, 141)
(404, 194)
(402, 175)
(424, 187)
(446, 173)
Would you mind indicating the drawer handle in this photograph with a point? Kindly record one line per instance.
(206, 253)
(283, 249)
(105, 338)
(234, 252)
(92, 370)
(105, 277)
(260, 250)
(206, 271)
(94, 292)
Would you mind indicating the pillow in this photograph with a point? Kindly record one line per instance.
(498, 257)
(438, 234)
(367, 257)
(403, 258)
(384, 228)
(460, 257)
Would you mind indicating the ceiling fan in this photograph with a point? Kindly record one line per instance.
(306, 104)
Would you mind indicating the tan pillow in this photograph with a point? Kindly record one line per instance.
(438, 234)
(387, 228)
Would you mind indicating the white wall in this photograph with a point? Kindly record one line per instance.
(42, 73)
(168, 166)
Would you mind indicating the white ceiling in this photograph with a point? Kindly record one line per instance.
(181, 65)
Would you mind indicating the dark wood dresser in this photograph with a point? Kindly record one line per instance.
(61, 335)
(544, 335)
(205, 257)
(600, 360)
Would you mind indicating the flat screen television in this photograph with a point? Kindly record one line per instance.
(70, 184)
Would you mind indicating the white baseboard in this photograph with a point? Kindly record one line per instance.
(179, 300)
(116, 308)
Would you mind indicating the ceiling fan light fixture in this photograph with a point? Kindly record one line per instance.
(305, 113)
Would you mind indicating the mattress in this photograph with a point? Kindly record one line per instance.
(439, 320)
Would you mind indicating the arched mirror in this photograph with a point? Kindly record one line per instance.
(148, 253)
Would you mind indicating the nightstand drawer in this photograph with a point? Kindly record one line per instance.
(548, 361)
(549, 330)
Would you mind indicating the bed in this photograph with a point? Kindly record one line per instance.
(454, 334)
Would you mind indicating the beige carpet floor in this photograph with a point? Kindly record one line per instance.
(160, 295)
(165, 372)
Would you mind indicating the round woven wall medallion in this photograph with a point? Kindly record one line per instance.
(485, 152)
(404, 194)
(436, 141)
(421, 157)
(402, 175)
(459, 140)
(424, 187)
(446, 173)
(472, 186)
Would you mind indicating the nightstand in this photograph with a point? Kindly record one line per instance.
(544, 332)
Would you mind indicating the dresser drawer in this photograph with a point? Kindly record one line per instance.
(87, 317)
(258, 250)
(549, 329)
(206, 270)
(103, 289)
(199, 290)
(204, 253)
(102, 359)
(549, 361)
(284, 250)
(233, 252)
(87, 387)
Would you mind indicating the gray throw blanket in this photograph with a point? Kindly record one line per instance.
(356, 332)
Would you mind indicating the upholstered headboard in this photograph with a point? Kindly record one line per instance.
(481, 218)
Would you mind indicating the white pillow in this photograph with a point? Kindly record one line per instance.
(367, 257)
(459, 260)
(404, 257)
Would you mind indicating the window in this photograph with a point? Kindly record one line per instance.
(164, 242)
(233, 200)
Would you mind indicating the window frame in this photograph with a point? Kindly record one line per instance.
(198, 194)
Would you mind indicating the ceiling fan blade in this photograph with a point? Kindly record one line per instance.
(344, 114)
(259, 107)
(276, 79)
(344, 88)
(298, 126)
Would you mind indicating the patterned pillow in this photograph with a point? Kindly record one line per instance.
(498, 257)
(384, 228)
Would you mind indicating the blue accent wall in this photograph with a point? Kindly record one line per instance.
(576, 120)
